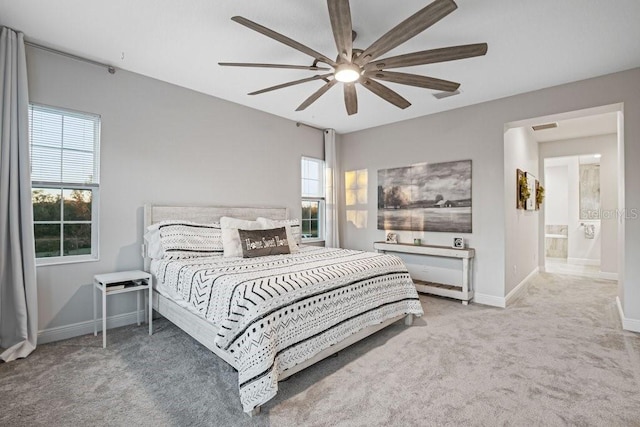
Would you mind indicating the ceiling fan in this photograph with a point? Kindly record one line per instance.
(363, 66)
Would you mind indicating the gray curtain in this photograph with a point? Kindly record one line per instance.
(18, 296)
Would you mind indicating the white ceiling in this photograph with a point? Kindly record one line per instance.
(601, 124)
(532, 45)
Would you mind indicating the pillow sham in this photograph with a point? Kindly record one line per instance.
(257, 243)
(152, 240)
(230, 236)
(291, 225)
(186, 239)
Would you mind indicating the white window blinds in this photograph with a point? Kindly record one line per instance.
(312, 177)
(65, 146)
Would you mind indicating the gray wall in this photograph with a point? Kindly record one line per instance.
(521, 225)
(160, 144)
(460, 134)
(477, 132)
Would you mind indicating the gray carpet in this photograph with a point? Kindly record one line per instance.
(558, 356)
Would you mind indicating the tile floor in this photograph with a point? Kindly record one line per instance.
(560, 266)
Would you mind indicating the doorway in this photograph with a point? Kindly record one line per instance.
(572, 218)
(580, 160)
(578, 134)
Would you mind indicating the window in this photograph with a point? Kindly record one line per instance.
(312, 221)
(65, 151)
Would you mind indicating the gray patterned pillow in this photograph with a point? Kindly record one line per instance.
(257, 243)
(185, 239)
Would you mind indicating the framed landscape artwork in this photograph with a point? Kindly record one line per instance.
(426, 197)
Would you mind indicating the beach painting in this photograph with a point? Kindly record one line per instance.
(426, 197)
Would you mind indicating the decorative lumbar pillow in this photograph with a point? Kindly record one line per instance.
(185, 239)
(230, 236)
(291, 225)
(257, 243)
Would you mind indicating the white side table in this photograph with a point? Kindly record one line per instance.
(100, 282)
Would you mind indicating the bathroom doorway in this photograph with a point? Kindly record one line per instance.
(572, 220)
(579, 158)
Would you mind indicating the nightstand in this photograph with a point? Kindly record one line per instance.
(133, 281)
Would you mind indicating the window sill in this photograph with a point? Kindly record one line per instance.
(46, 262)
(313, 242)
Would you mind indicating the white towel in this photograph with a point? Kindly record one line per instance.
(589, 231)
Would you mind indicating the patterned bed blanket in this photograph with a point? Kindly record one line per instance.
(276, 312)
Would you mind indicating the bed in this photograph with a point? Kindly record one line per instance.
(272, 316)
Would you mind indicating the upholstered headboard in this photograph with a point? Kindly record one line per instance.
(205, 214)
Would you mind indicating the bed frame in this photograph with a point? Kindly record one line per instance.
(200, 329)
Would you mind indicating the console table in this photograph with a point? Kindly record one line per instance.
(462, 292)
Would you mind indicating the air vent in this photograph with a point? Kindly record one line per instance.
(545, 126)
(441, 95)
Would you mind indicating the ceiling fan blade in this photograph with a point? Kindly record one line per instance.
(340, 15)
(255, 65)
(410, 27)
(415, 80)
(350, 98)
(385, 93)
(283, 39)
(429, 56)
(292, 83)
(317, 94)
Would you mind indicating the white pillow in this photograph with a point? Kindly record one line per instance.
(291, 225)
(186, 239)
(152, 239)
(231, 237)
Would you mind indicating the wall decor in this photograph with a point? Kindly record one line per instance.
(530, 203)
(539, 195)
(426, 197)
(522, 190)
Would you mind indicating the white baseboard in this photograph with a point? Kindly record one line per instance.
(491, 300)
(522, 286)
(583, 261)
(503, 302)
(608, 276)
(76, 329)
(632, 325)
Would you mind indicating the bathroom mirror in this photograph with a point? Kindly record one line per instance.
(589, 187)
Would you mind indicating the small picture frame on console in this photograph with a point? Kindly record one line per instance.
(392, 238)
(458, 242)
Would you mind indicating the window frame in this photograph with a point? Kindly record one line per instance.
(319, 198)
(94, 187)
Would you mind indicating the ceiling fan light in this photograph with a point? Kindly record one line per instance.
(347, 73)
